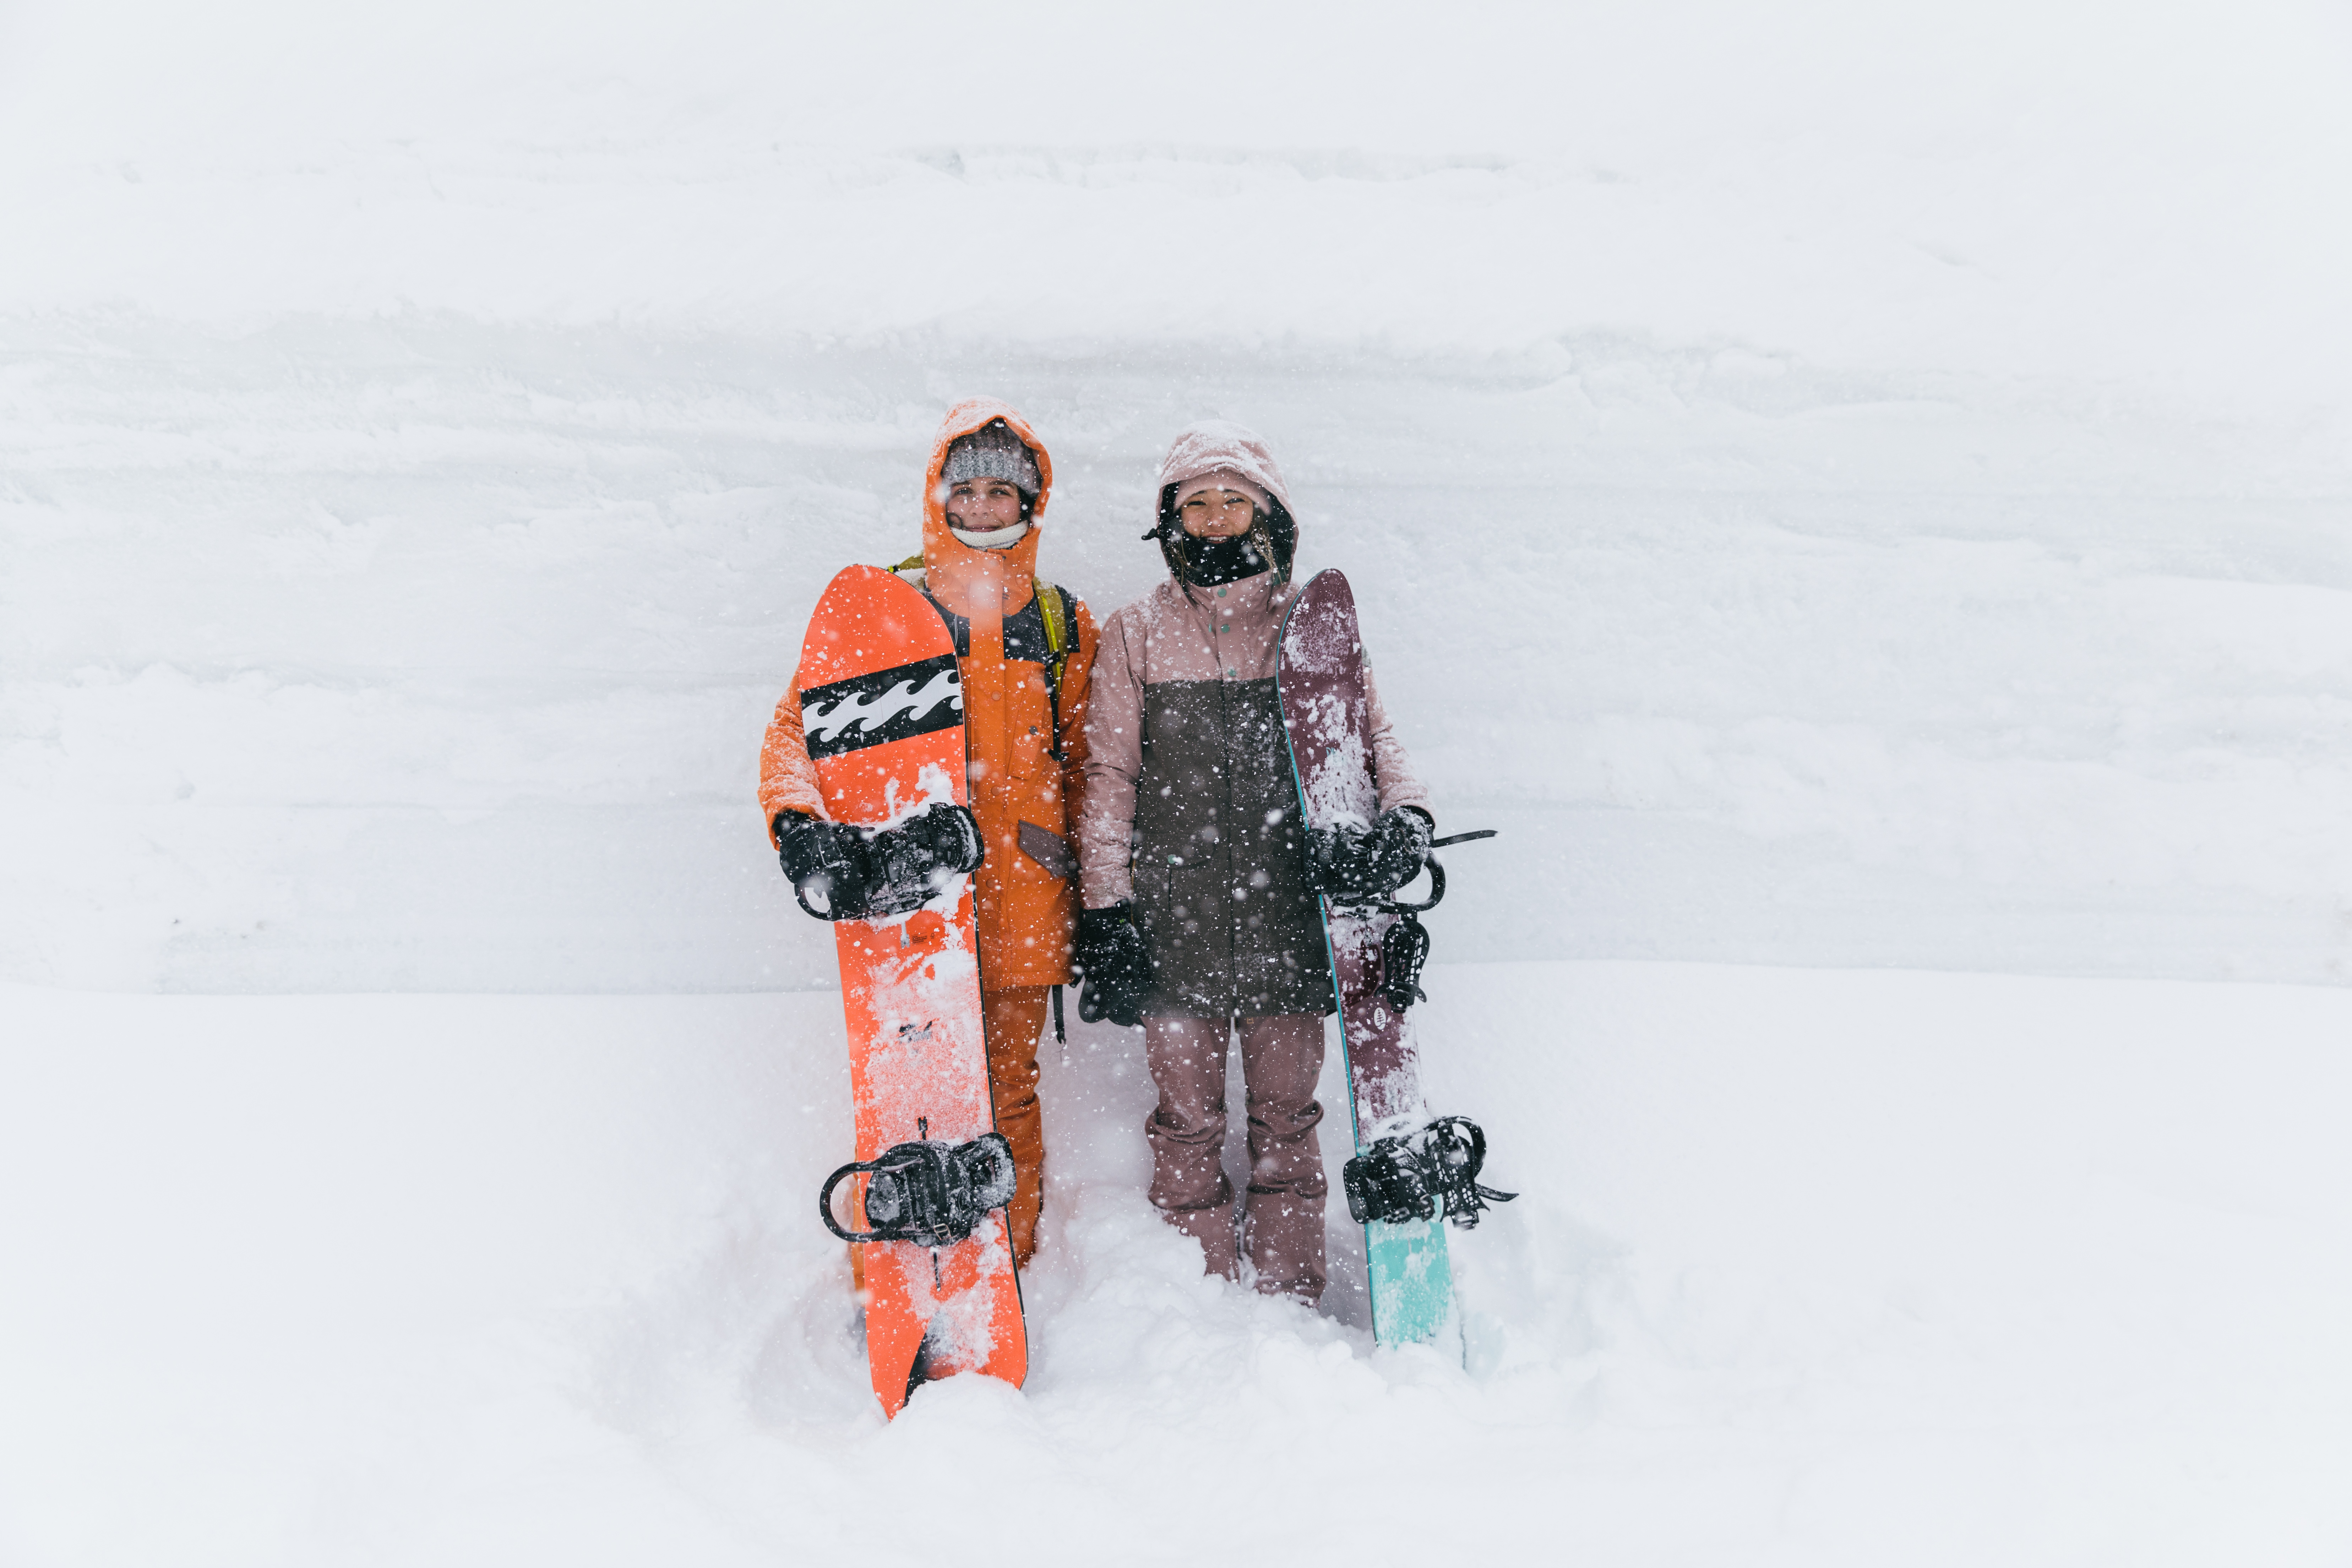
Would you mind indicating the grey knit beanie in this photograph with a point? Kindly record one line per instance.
(991, 452)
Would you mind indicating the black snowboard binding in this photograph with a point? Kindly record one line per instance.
(1405, 946)
(1403, 950)
(1408, 1175)
(931, 1194)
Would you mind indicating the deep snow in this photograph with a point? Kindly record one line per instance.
(1808, 1268)
(1837, 485)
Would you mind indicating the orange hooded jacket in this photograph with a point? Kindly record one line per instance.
(1026, 911)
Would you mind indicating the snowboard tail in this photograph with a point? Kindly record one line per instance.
(1407, 1267)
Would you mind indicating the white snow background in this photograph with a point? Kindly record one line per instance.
(1851, 491)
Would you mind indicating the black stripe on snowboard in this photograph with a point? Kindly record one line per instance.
(887, 705)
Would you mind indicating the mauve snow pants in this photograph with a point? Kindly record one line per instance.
(1282, 1222)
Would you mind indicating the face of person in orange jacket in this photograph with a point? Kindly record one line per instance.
(983, 506)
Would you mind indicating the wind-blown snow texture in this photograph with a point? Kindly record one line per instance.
(1833, 491)
(1836, 488)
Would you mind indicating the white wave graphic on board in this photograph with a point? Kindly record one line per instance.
(901, 701)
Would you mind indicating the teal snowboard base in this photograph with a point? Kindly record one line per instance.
(1412, 1281)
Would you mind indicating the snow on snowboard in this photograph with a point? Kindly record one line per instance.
(1410, 1174)
(882, 704)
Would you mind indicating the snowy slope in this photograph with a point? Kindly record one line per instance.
(1813, 1267)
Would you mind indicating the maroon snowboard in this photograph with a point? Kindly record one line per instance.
(1319, 679)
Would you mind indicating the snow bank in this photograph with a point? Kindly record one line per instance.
(1834, 488)
(1808, 1267)
(421, 654)
(2088, 189)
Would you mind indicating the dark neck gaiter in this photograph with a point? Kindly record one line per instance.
(1209, 562)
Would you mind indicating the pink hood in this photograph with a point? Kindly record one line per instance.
(1214, 444)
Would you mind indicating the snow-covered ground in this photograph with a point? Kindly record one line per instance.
(1808, 1268)
(1859, 491)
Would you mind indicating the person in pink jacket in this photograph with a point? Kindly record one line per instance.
(1198, 888)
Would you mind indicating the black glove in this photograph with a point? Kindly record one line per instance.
(1117, 965)
(914, 861)
(826, 861)
(861, 873)
(1371, 862)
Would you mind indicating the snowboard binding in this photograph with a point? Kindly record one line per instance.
(1404, 950)
(1412, 1175)
(931, 1194)
(1405, 947)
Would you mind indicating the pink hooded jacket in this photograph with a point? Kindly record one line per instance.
(1203, 634)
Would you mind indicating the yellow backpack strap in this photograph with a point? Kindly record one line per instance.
(1054, 613)
(1057, 630)
(910, 563)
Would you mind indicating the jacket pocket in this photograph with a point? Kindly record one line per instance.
(1049, 849)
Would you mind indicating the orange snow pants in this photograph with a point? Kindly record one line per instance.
(1012, 1020)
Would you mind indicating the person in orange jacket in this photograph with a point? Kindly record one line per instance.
(1024, 648)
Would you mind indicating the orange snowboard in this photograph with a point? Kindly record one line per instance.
(882, 702)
